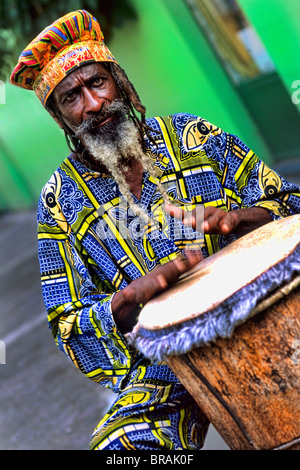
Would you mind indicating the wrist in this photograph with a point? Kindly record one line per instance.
(250, 218)
(125, 313)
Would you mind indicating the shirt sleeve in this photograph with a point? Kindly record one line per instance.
(78, 304)
(256, 184)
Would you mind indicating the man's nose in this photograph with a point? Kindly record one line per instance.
(92, 102)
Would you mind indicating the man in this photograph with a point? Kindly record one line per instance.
(107, 243)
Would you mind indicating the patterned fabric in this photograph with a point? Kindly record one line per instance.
(72, 40)
(91, 244)
(151, 415)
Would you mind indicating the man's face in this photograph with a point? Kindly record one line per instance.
(85, 94)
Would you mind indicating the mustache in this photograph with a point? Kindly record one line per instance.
(117, 108)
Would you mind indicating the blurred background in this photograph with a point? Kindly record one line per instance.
(233, 62)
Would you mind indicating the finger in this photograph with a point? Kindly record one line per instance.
(173, 210)
(209, 214)
(194, 254)
(170, 272)
(187, 218)
(224, 228)
(192, 257)
(227, 223)
(212, 218)
(218, 221)
(162, 282)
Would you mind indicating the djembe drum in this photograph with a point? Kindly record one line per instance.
(228, 330)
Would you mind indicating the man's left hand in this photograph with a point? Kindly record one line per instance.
(215, 220)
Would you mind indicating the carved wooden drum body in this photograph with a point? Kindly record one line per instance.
(230, 331)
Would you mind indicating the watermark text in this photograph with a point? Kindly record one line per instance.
(2, 352)
(121, 222)
(296, 354)
(2, 93)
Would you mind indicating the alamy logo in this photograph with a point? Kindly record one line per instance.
(296, 354)
(125, 223)
(2, 352)
(2, 93)
(296, 93)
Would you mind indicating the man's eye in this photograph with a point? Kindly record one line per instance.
(97, 81)
(70, 96)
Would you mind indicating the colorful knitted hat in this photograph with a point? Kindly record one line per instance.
(71, 41)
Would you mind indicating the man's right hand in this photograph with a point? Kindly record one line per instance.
(125, 303)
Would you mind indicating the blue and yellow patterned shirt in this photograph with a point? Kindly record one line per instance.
(92, 245)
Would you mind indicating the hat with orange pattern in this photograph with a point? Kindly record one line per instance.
(74, 40)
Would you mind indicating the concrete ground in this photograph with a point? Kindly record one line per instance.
(46, 404)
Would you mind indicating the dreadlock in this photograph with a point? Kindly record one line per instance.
(69, 134)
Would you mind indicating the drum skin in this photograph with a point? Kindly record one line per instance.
(243, 370)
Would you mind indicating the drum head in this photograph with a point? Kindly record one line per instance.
(223, 289)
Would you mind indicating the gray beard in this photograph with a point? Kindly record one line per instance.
(116, 145)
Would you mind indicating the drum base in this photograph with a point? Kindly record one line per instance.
(248, 385)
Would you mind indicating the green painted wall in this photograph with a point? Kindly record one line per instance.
(31, 148)
(175, 70)
(172, 67)
(277, 23)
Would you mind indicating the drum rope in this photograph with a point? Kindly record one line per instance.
(289, 445)
(219, 397)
